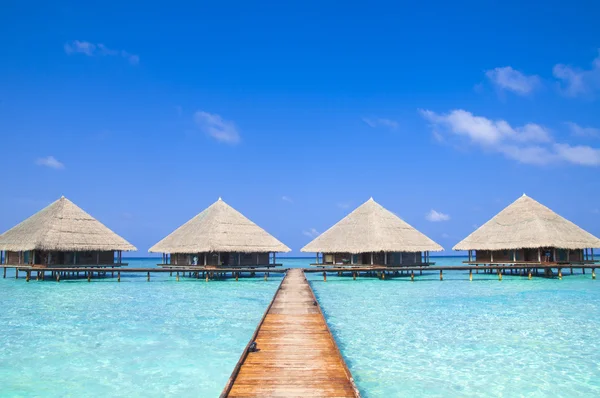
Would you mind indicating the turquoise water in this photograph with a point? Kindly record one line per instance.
(518, 337)
(128, 339)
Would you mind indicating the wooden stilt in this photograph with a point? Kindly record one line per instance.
(559, 273)
(441, 276)
(148, 278)
(4, 273)
(27, 275)
(119, 276)
(177, 277)
(529, 275)
(266, 274)
(324, 276)
(470, 275)
(354, 275)
(593, 273)
(236, 276)
(58, 276)
(89, 276)
(571, 270)
(412, 276)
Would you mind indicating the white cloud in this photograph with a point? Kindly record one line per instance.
(50, 161)
(311, 233)
(380, 122)
(217, 127)
(530, 143)
(580, 131)
(287, 199)
(576, 81)
(445, 235)
(91, 49)
(580, 154)
(507, 78)
(436, 216)
(343, 205)
(485, 131)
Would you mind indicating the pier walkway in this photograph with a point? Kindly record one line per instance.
(294, 354)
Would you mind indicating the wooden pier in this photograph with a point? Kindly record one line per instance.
(292, 352)
(89, 272)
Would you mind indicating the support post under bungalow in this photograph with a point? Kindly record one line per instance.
(539, 255)
(274, 258)
(371, 258)
(592, 252)
(317, 259)
(384, 258)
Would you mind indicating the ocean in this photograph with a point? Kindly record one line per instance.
(518, 337)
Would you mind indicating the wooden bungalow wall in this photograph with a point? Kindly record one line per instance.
(213, 258)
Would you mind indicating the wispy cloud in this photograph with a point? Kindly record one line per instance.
(50, 161)
(311, 233)
(343, 205)
(577, 82)
(218, 128)
(126, 216)
(436, 216)
(445, 235)
(580, 131)
(596, 211)
(507, 78)
(92, 49)
(530, 143)
(287, 199)
(376, 122)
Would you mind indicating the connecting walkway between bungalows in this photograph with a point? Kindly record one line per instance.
(292, 351)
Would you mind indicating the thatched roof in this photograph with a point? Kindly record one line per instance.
(371, 228)
(528, 224)
(219, 228)
(62, 226)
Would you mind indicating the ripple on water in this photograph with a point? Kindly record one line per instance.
(128, 339)
(484, 338)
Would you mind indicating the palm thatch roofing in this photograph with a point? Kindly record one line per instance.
(62, 226)
(528, 224)
(219, 228)
(371, 228)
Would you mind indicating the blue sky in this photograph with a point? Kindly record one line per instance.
(296, 113)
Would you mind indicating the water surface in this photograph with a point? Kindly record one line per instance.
(518, 337)
(128, 339)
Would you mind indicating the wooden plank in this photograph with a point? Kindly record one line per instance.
(296, 353)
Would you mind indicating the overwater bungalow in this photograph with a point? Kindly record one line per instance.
(372, 235)
(527, 232)
(62, 234)
(219, 236)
